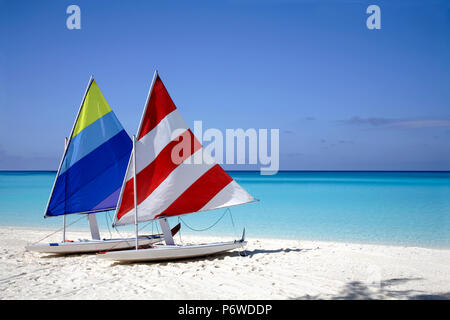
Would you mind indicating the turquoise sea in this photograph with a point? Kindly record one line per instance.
(401, 208)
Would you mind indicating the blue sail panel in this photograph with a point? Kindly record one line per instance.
(91, 138)
(92, 179)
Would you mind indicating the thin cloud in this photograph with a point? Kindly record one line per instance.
(401, 123)
(368, 121)
(423, 123)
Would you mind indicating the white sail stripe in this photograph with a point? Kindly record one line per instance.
(150, 145)
(233, 194)
(180, 179)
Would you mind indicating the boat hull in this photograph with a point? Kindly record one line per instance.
(87, 246)
(165, 252)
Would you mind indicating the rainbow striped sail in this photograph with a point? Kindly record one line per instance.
(96, 157)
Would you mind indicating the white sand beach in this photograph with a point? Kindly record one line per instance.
(273, 269)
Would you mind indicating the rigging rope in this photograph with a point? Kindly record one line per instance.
(117, 230)
(207, 228)
(241, 249)
(241, 252)
(179, 232)
(83, 216)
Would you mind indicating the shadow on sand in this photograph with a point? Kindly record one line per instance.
(286, 250)
(220, 256)
(356, 290)
(64, 255)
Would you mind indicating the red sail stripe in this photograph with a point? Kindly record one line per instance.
(159, 106)
(199, 193)
(127, 202)
(149, 178)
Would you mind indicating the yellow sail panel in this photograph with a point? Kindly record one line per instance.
(94, 107)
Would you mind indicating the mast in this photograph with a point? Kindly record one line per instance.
(66, 143)
(134, 162)
(133, 152)
(135, 193)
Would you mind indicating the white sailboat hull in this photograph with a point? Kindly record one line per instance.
(86, 246)
(171, 252)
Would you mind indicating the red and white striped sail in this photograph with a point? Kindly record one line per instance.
(166, 187)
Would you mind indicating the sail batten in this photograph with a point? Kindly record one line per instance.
(170, 180)
(94, 162)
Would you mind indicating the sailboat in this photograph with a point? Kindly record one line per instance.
(90, 175)
(165, 178)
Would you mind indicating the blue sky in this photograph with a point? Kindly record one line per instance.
(344, 97)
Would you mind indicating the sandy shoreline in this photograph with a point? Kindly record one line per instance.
(273, 269)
